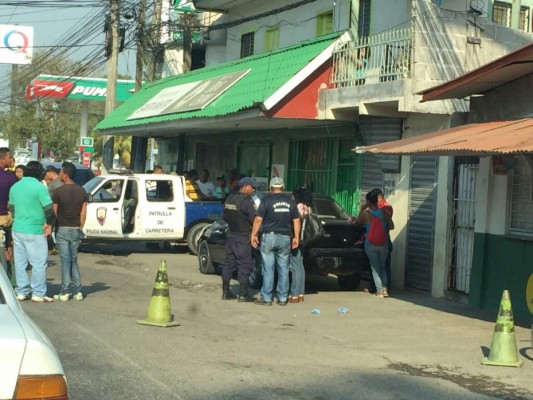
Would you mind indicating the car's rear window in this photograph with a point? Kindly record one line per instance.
(328, 208)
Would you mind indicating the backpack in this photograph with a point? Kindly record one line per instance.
(376, 234)
(311, 229)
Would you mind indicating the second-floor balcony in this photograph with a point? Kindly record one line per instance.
(383, 57)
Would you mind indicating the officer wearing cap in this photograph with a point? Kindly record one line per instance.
(239, 213)
(279, 218)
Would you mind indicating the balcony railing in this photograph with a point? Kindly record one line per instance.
(377, 58)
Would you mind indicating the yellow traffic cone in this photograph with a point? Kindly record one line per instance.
(159, 308)
(503, 351)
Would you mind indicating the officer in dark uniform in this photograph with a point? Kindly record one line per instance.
(239, 213)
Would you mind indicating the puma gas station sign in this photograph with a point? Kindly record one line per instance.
(74, 88)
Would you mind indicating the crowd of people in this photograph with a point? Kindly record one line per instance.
(274, 227)
(35, 205)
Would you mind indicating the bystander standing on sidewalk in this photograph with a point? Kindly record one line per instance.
(70, 207)
(33, 218)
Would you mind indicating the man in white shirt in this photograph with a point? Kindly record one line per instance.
(205, 185)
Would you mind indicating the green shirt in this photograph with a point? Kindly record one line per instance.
(29, 196)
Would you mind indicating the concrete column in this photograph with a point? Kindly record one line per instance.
(84, 118)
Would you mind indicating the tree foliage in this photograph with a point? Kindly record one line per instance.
(55, 124)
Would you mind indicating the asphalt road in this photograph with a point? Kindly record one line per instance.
(406, 347)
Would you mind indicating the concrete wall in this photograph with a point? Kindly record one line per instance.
(295, 25)
(385, 14)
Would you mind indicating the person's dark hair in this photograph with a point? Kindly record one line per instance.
(378, 191)
(372, 197)
(157, 166)
(303, 195)
(51, 168)
(69, 169)
(149, 171)
(3, 152)
(34, 169)
(21, 166)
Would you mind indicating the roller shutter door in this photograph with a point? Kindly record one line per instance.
(421, 223)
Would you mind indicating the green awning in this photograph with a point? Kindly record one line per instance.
(260, 78)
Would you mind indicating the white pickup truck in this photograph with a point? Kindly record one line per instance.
(146, 207)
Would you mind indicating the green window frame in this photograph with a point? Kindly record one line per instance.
(271, 39)
(324, 23)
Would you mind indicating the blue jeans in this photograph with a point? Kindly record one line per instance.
(68, 241)
(30, 249)
(275, 250)
(297, 270)
(377, 255)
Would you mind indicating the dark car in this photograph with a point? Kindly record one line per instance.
(83, 174)
(339, 252)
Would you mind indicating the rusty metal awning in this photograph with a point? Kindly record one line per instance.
(503, 137)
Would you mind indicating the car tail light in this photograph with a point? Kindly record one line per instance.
(46, 387)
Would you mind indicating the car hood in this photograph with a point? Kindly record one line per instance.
(24, 350)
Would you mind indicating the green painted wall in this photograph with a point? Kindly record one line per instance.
(501, 262)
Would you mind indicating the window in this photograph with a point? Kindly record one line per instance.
(523, 25)
(271, 39)
(110, 192)
(324, 23)
(160, 191)
(522, 197)
(501, 13)
(247, 44)
(363, 24)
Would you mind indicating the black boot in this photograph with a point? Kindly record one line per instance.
(244, 296)
(226, 292)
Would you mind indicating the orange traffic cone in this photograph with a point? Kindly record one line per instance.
(503, 351)
(159, 308)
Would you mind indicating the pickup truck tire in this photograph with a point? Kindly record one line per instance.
(193, 236)
(204, 259)
(350, 282)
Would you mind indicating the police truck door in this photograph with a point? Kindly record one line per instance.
(163, 213)
(104, 210)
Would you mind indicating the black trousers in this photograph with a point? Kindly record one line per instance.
(238, 257)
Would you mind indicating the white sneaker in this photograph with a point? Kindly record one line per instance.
(78, 296)
(44, 299)
(21, 297)
(62, 297)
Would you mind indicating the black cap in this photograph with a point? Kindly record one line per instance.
(247, 181)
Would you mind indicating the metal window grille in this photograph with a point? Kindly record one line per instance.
(378, 58)
(363, 26)
(523, 25)
(522, 198)
(501, 13)
(247, 44)
(324, 23)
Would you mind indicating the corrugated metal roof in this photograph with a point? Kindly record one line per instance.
(502, 70)
(268, 73)
(504, 137)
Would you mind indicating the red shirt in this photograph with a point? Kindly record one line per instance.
(386, 206)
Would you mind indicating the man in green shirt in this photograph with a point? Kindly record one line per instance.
(33, 218)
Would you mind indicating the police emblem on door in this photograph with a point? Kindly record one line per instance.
(101, 213)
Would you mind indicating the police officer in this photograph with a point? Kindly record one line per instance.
(239, 213)
(279, 217)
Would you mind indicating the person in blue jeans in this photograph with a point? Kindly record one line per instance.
(377, 254)
(279, 218)
(70, 206)
(304, 199)
(33, 218)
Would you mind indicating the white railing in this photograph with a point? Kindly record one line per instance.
(377, 58)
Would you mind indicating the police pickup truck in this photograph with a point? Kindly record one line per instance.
(147, 207)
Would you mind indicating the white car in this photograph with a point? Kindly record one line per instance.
(29, 365)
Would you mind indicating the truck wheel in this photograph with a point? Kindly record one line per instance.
(204, 258)
(193, 237)
(350, 282)
(255, 280)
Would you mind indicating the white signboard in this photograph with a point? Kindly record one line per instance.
(16, 44)
(162, 100)
(189, 96)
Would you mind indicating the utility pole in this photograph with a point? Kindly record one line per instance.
(155, 41)
(111, 93)
(14, 88)
(139, 144)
